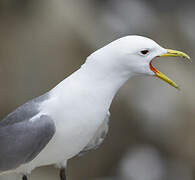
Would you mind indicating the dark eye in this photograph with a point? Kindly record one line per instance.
(144, 52)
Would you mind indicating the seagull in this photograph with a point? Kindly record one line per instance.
(73, 117)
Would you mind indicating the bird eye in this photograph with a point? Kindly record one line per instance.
(144, 52)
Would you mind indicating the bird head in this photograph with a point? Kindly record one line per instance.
(136, 53)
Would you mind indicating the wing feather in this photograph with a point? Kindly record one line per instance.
(21, 142)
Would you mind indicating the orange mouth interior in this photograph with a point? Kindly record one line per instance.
(153, 68)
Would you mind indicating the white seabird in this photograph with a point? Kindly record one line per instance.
(72, 118)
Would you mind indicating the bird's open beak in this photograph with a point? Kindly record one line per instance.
(168, 54)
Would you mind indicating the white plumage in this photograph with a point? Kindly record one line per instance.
(79, 105)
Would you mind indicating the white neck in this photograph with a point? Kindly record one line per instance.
(103, 75)
(99, 77)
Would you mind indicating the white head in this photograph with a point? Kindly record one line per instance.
(134, 55)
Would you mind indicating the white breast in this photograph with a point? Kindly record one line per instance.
(76, 125)
(78, 106)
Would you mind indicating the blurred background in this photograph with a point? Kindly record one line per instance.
(152, 129)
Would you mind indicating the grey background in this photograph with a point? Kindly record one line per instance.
(152, 134)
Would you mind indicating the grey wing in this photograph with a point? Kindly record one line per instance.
(99, 136)
(22, 141)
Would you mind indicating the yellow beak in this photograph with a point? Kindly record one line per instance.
(168, 54)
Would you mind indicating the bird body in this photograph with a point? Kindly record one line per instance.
(73, 117)
(76, 124)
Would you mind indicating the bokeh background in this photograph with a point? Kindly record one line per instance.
(152, 129)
